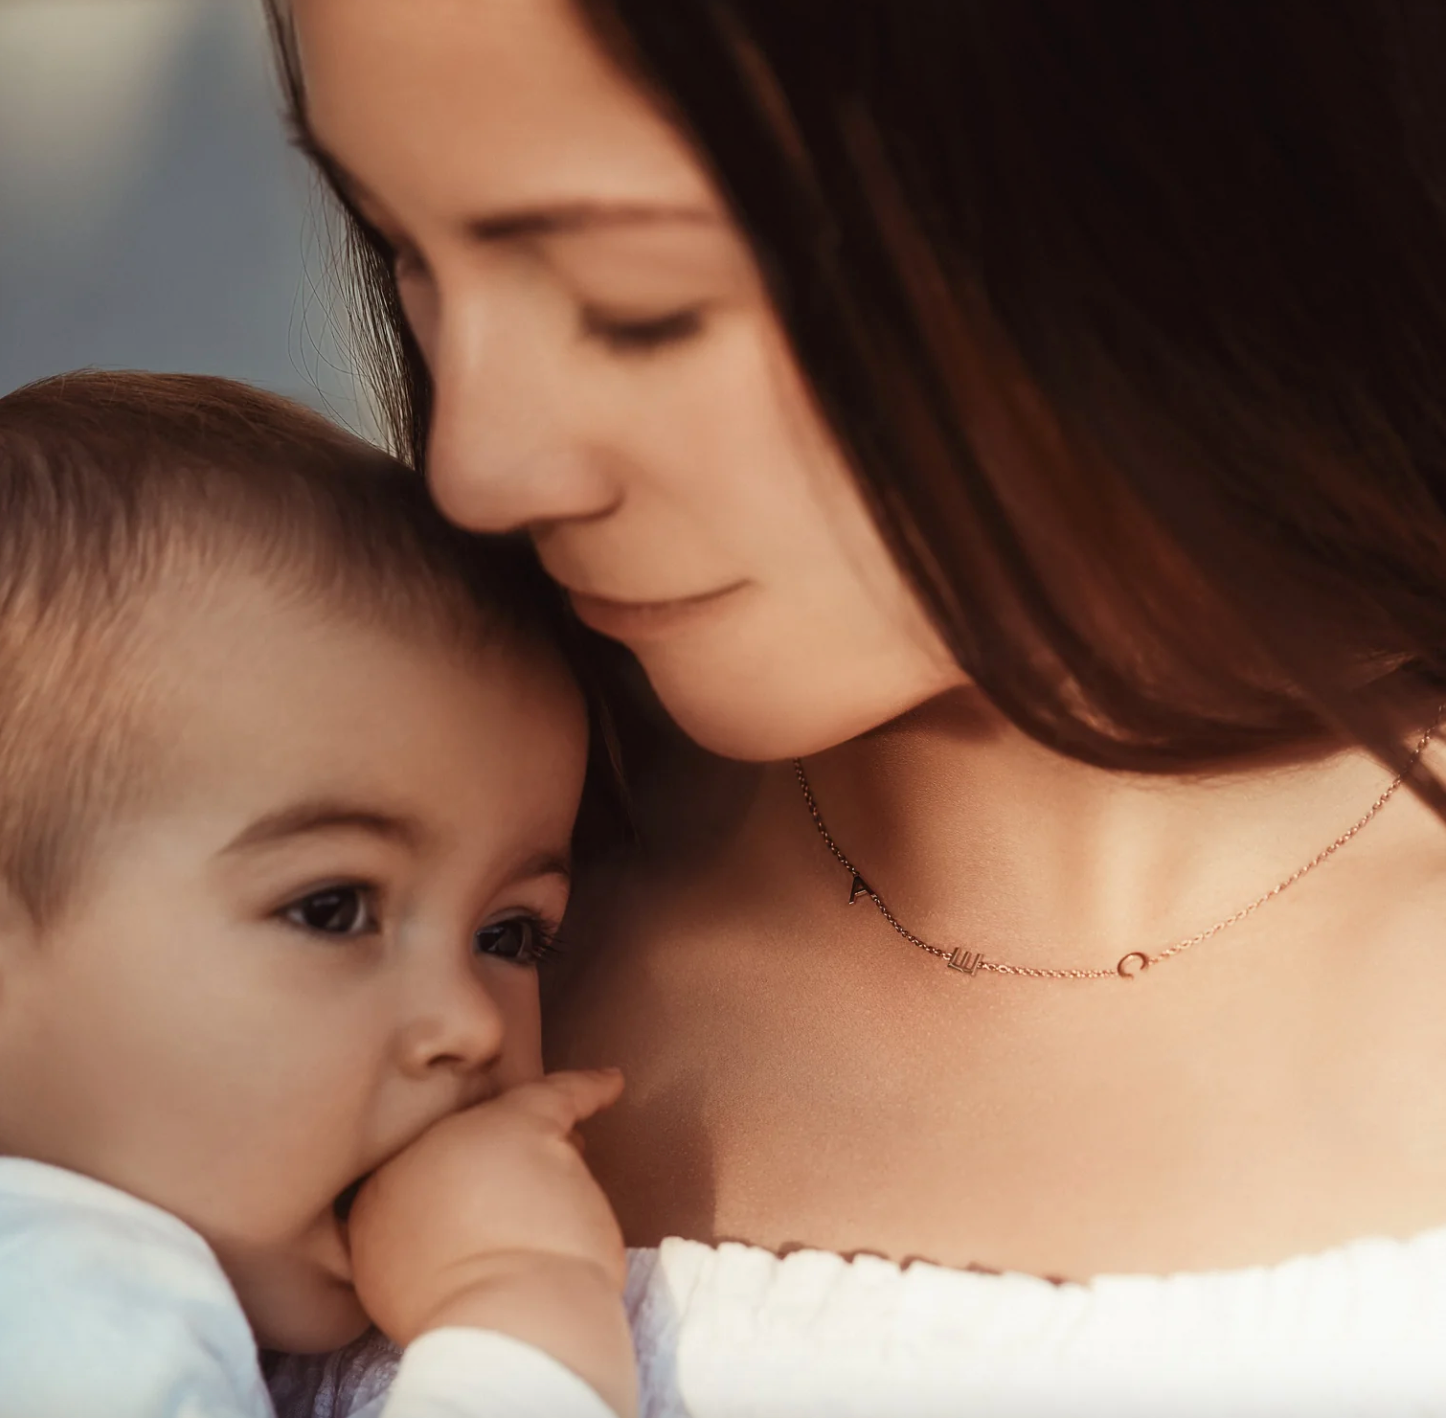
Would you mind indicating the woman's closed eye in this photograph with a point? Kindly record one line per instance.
(521, 939)
(632, 335)
(346, 910)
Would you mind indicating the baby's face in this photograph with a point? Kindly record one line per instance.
(313, 946)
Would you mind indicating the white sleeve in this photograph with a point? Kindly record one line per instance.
(109, 1306)
(476, 1373)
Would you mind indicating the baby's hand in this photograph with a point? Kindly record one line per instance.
(492, 1220)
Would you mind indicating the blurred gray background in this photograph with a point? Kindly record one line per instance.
(151, 212)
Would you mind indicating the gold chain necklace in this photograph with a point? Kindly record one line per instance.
(1128, 966)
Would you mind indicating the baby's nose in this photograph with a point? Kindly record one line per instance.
(455, 1028)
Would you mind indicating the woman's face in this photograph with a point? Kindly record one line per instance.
(609, 373)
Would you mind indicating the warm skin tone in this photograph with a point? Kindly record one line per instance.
(302, 951)
(610, 377)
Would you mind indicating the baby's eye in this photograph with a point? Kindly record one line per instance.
(335, 910)
(524, 940)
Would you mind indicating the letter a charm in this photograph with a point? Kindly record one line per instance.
(859, 888)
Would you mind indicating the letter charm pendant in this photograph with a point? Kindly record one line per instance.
(859, 888)
(966, 962)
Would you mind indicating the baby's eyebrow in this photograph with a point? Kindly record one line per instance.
(325, 815)
(543, 863)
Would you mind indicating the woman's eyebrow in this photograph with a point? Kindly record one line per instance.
(541, 219)
(566, 218)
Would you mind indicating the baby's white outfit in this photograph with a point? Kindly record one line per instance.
(113, 1308)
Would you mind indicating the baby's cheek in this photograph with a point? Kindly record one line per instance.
(295, 1303)
(516, 995)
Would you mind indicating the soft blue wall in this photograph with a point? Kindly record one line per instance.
(151, 213)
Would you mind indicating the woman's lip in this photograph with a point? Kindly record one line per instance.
(645, 620)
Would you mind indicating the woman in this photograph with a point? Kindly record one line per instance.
(1030, 415)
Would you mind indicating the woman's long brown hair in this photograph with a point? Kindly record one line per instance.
(1131, 319)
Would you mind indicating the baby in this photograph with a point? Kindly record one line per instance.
(288, 774)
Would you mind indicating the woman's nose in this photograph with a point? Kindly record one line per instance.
(453, 1026)
(508, 447)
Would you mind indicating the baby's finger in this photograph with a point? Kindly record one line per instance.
(568, 1098)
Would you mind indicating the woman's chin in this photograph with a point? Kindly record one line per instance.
(769, 718)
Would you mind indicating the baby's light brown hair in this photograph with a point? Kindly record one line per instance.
(115, 487)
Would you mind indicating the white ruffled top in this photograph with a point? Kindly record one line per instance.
(737, 1332)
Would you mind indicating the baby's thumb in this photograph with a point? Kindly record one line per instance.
(569, 1097)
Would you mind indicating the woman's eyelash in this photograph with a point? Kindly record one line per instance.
(642, 336)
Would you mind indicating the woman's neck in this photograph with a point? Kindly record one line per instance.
(954, 816)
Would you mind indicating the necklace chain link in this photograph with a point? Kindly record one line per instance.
(1130, 964)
